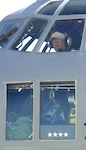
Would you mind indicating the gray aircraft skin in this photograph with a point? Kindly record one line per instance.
(43, 92)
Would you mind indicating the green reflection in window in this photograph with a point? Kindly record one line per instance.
(19, 113)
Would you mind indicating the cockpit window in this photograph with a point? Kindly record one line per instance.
(57, 110)
(50, 8)
(65, 36)
(7, 30)
(30, 36)
(74, 7)
(19, 112)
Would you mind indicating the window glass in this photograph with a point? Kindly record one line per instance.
(19, 113)
(30, 36)
(57, 110)
(65, 36)
(50, 8)
(74, 7)
(7, 30)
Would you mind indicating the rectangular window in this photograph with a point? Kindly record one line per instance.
(19, 112)
(57, 110)
(68, 32)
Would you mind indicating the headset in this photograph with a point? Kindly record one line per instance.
(68, 40)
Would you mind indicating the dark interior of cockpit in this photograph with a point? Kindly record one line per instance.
(54, 108)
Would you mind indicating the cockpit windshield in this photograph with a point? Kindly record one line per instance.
(30, 36)
(50, 8)
(64, 36)
(7, 30)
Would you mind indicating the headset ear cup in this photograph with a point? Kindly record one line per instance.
(69, 41)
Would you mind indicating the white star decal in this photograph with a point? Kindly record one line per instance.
(65, 134)
(49, 134)
(55, 134)
(60, 134)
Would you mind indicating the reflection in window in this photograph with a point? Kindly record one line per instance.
(57, 110)
(50, 8)
(30, 36)
(74, 7)
(72, 31)
(19, 113)
(7, 30)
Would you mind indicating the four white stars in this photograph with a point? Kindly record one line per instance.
(60, 134)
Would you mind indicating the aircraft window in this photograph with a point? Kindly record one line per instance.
(50, 8)
(57, 110)
(65, 36)
(7, 30)
(30, 36)
(74, 7)
(19, 112)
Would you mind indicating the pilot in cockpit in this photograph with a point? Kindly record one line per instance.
(60, 42)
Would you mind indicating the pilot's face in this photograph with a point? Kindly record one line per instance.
(58, 44)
